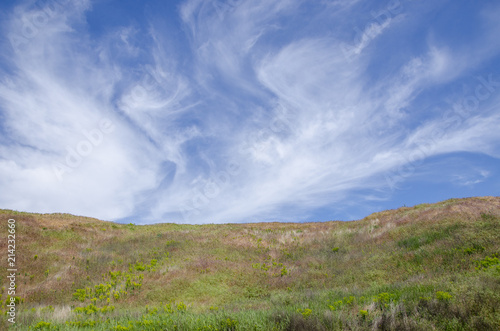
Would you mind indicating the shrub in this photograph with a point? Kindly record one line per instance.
(42, 325)
(228, 324)
(80, 294)
(475, 248)
(336, 305)
(181, 306)
(383, 299)
(305, 312)
(88, 310)
(168, 309)
(443, 296)
(139, 266)
(487, 262)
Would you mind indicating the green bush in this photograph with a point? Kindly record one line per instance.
(181, 307)
(474, 249)
(384, 299)
(443, 296)
(487, 262)
(228, 324)
(305, 312)
(42, 325)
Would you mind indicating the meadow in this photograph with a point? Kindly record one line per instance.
(427, 267)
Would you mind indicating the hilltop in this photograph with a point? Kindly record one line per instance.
(431, 266)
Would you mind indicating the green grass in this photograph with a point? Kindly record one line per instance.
(427, 267)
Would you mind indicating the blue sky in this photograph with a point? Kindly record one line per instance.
(211, 111)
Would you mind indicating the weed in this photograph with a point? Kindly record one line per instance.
(487, 262)
(42, 325)
(228, 324)
(443, 296)
(181, 307)
(305, 312)
(474, 249)
(383, 299)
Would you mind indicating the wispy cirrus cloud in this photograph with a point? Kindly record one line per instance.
(236, 110)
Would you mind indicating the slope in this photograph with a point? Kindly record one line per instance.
(432, 266)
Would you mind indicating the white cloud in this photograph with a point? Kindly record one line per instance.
(260, 119)
(54, 99)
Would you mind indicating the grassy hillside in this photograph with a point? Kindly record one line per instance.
(420, 268)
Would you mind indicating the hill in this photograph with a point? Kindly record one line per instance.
(432, 266)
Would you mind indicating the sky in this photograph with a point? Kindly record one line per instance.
(229, 111)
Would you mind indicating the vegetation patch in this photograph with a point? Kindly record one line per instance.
(431, 267)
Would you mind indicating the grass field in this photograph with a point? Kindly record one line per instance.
(428, 267)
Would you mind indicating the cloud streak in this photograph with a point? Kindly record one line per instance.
(241, 111)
